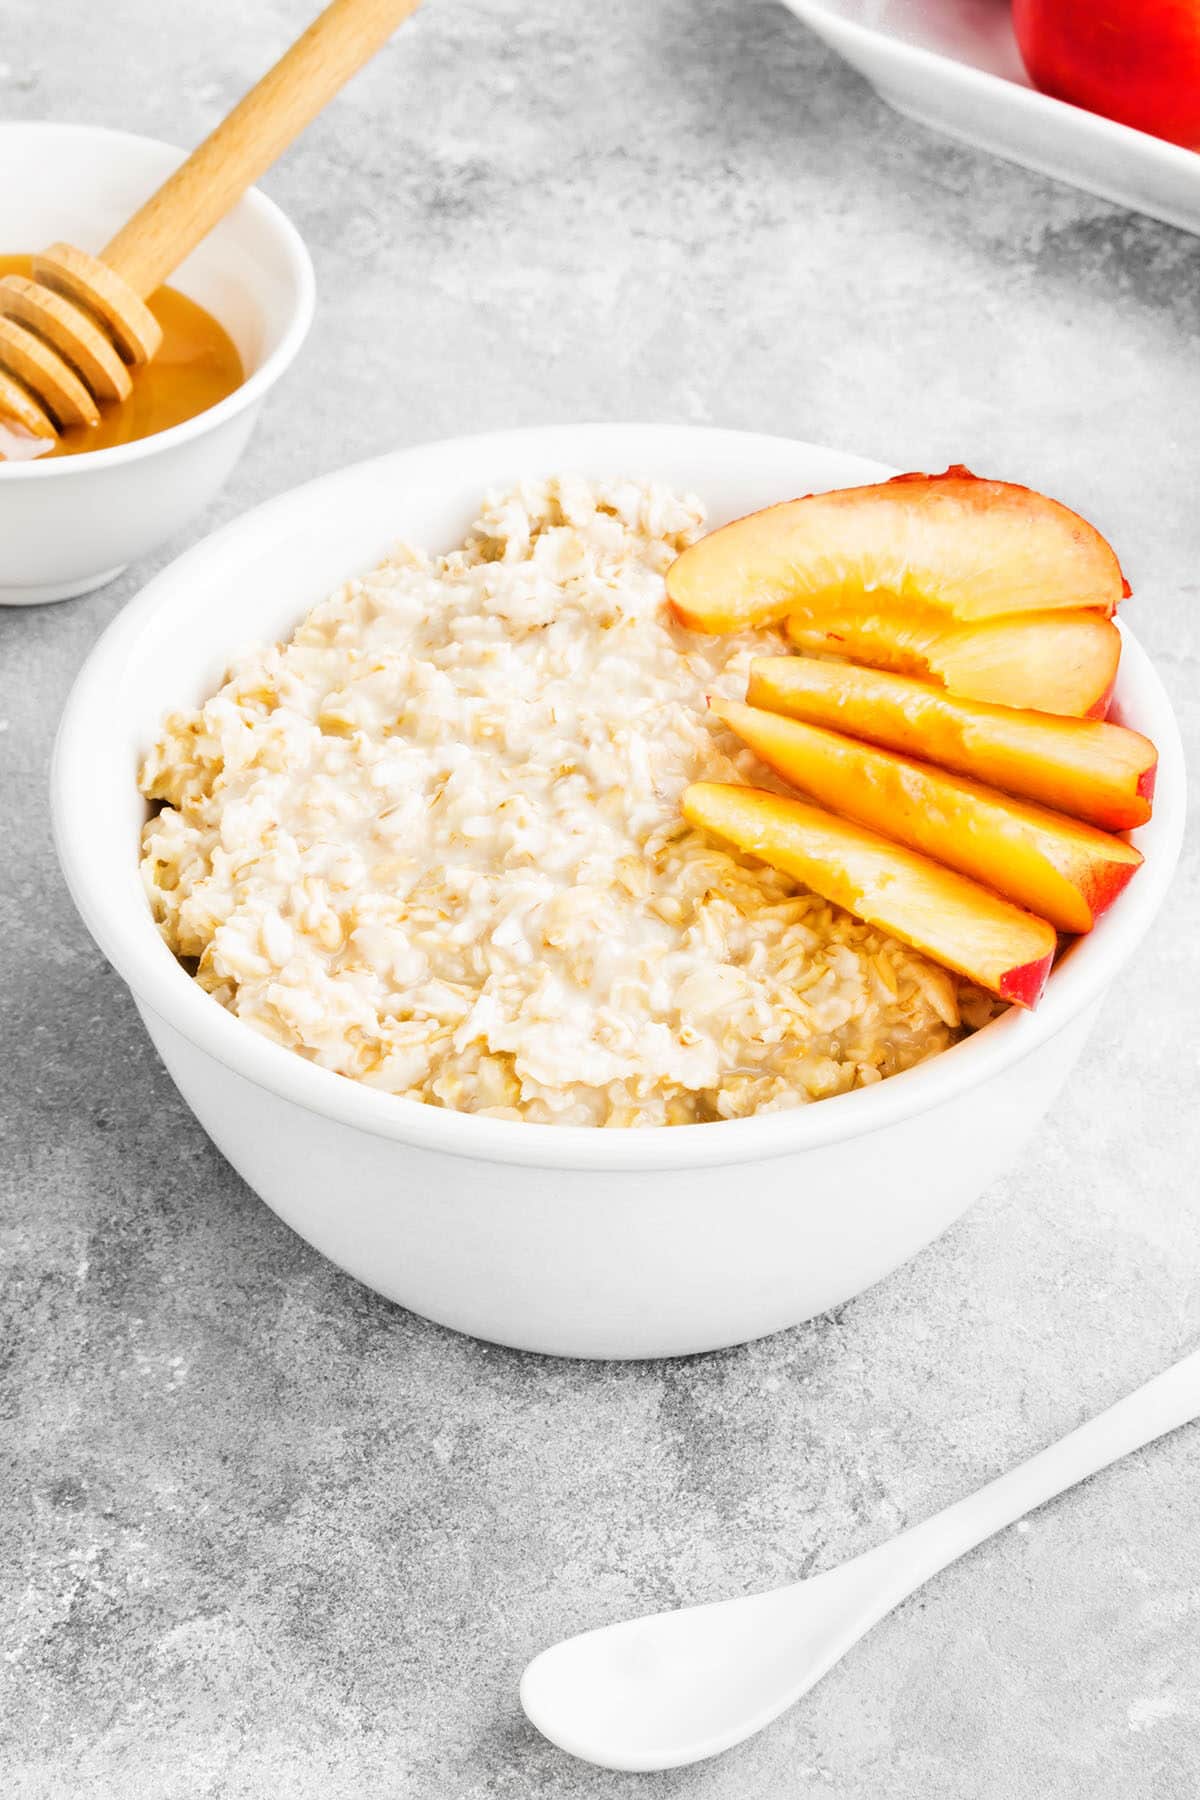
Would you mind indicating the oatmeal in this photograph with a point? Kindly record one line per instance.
(433, 842)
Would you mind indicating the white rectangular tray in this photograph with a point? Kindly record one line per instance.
(954, 65)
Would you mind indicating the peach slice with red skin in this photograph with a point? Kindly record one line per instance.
(1060, 662)
(952, 545)
(1054, 866)
(1092, 770)
(951, 919)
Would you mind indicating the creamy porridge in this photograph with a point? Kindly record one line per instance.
(433, 843)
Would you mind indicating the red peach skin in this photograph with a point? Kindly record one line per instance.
(1137, 61)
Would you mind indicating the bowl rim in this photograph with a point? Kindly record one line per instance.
(275, 222)
(133, 945)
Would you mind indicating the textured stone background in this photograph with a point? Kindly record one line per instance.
(263, 1534)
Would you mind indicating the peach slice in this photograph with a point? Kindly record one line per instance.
(950, 544)
(1063, 662)
(1099, 772)
(949, 918)
(1056, 867)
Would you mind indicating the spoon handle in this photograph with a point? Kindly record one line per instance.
(1163, 1404)
(246, 142)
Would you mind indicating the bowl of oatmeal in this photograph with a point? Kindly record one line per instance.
(373, 800)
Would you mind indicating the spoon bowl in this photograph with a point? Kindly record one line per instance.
(677, 1687)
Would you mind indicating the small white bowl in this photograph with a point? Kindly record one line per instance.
(70, 525)
(561, 1239)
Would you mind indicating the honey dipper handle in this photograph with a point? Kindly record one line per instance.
(190, 202)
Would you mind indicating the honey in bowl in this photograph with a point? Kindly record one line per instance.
(196, 365)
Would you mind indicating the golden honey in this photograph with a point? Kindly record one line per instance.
(196, 366)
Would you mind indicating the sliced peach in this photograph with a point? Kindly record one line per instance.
(947, 917)
(951, 544)
(1103, 773)
(1057, 867)
(1063, 662)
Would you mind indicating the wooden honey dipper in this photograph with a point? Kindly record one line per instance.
(68, 336)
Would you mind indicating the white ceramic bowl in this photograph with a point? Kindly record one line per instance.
(69, 525)
(957, 68)
(567, 1240)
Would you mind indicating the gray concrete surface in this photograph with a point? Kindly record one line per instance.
(264, 1535)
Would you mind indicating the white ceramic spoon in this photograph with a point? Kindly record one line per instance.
(675, 1687)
